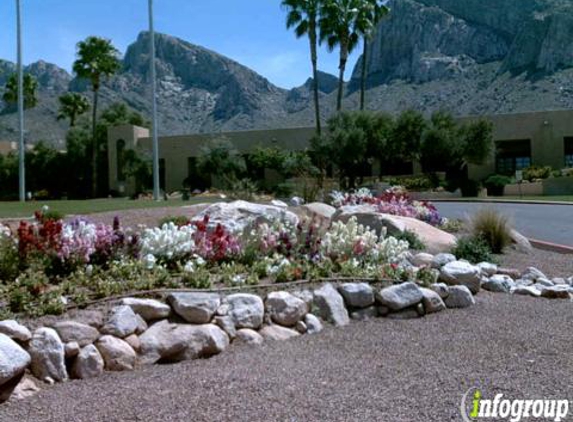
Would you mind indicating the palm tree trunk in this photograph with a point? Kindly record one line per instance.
(314, 60)
(363, 78)
(94, 145)
(342, 68)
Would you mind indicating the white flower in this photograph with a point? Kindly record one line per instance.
(238, 279)
(149, 261)
(189, 267)
(169, 241)
(45, 209)
(89, 270)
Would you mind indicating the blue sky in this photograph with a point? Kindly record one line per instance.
(250, 31)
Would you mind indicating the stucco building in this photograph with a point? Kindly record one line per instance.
(521, 140)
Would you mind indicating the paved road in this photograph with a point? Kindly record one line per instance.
(550, 223)
(378, 370)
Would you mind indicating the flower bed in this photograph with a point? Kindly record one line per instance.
(47, 265)
(394, 201)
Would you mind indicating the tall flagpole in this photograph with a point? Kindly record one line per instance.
(156, 187)
(21, 150)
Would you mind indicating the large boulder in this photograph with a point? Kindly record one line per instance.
(320, 209)
(526, 291)
(246, 310)
(15, 331)
(460, 297)
(123, 322)
(422, 259)
(177, 342)
(357, 295)
(72, 331)
(48, 355)
(195, 308)
(432, 301)
(285, 309)
(520, 242)
(88, 364)
(148, 309)
(400, 296)
(117, 354)
(330, 305)
(442, 259)
(278, 333)
(238, 216)
(499, 283)
(462, 273)
(13, 362)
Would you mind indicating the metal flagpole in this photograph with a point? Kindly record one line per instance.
(21, 151)
(156, 187)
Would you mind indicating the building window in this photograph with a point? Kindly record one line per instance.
(120, 153)
(568, 151)
(162, 173)
(512, 156)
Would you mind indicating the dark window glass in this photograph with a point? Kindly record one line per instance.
(568, 141)
(512, 156)
(120, 151)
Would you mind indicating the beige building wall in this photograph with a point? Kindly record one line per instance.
(545, 130)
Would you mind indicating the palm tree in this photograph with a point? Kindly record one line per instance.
(371, 13)
(72, 105)
(303, 16)
(97, 58)
(30, 86)
(338, 27)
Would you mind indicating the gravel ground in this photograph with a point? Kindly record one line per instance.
(552, 264)
(379, 370)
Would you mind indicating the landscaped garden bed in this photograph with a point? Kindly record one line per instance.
(235, 272)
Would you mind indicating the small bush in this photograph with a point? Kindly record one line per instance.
(53, 215)
(535, 173)
(496, 183)
(473, 249)
(493, 228)
(452, 225)
(179, 220)
(244, 189)
(413, 240)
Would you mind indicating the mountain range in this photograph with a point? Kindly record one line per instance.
(467, 57)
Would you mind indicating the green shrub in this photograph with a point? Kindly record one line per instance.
(244, 189)
(199, 279)
(493, 228)
(496, 183)
(473, 249)
(413, 240)
(53, 215)
(452, 225)
(534, 173)
(412, 183)
(9, 260)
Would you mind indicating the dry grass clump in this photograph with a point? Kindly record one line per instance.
(493, 227)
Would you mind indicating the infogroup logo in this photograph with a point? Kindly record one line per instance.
(475, 407)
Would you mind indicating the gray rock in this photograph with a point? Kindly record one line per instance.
(532, 274)
(520, 242)
(15, 331)
(133, 341)
(223, 310)
(558, 281)
(91, 317)
(357, 295)
(48, 355)
(117, 354)
(432, 301)
(301, 327)
(285, 309)
(330, 305)
(556, 292)
(544, 282)
(148, 309)
(364, 314)
(88, 364)
(442, 259)
(177, 342)
(400, 296)
(313, 324)
(227, 325)
(25, 389)
(13, 362)
(462, 273)
(238, 216)
(521, 282)
(305, 295)
(526, 291)
(409, 313)
(195, 308)
(422, 259)
(123, 322)
(459, 297)
(72, 331)
(246, 310)
(320, 209)
(499, 284)
(278, 333)
(487, 268)
(71, 349)
(441, 289)
(248, 336)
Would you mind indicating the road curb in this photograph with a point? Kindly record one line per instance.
(551, 247)
(499, 201)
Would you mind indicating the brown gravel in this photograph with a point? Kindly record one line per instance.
(552, 264)
(379, 370)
